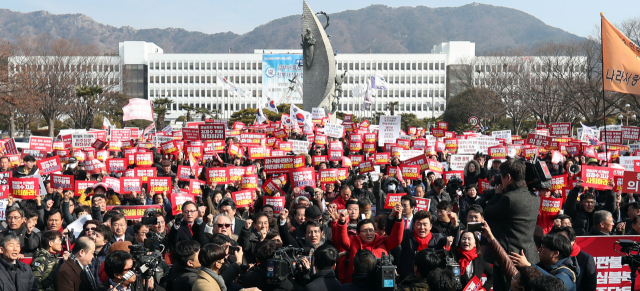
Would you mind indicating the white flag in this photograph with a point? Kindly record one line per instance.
(270, 104)
(299, 116)
(168, 129)
(378, 82)
(106, 124)
(232, 88)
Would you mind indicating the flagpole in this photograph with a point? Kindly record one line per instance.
(604, 106)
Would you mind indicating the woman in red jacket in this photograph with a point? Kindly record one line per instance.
(366, 237)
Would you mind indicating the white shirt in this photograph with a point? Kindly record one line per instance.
(119, 238)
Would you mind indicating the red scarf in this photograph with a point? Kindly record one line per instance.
(466, 257)
(576, 250)
(423, 243)
(367, 245)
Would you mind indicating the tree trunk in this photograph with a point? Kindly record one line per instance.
(51, 121)
(25, 129)
(12, 124)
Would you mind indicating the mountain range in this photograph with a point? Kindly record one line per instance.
(376, 29)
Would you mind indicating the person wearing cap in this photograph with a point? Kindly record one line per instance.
(165, 171)
(99, 192)
(28, 169)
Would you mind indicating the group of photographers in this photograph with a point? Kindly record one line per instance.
(340, 237)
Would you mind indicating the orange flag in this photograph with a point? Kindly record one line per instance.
(620, 61)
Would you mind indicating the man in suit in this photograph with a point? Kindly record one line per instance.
(119, 229)
(75, 275)
(14, 274)
(183, 230)
(325, 258)
(512, 213)
(227, 207)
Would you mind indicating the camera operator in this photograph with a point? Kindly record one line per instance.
(184, 271)
(257, 275)
(119, 268)
(426, 261)
(512, 213)
(364, 277)
(324, 259)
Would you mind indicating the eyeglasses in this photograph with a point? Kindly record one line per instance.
(191, 211)
(225, 225)
(368, 230)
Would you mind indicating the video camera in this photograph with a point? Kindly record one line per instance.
(630, 256)
(537, 175)
(143, 262)
(385, 273)
(454, 184)
(287, 262)
(450, 264)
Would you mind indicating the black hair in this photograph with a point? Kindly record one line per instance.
(137, 227)
(444, 205)
(325, 257)
(30, 213)
(427, 260)
(476, 208)
(258, 215)
(364, 202)
(15, 208)
(587, 195)
(439, 183)
(53, 211)
(49, 236)
(559, 243)
(185, 251)
(380, 221)
(363, 222)
(116, 217)
(635, 220)
(568, 231)
(226, 202)
(365, 262)
(115, 263)
(515, 168)
(211, 253)
(265, 250)
(527, 273)
(352, 202)
(546, 283)
(29, 158)
(221, 239)
(82, 208)
(634, 205)
(344, 187)
(441, 280)
(184, 205)
(312, 223)
(104, 230)
(420, 215)
(409, 197)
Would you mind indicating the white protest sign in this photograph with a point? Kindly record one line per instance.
(407, 154)
(317, 113)
(505, 134)
(459, 161)
(162, 139)
(627, 162)
(84, 140)
(3, 209)
(467, 146)
(389, 129)
(299, 146)
(333, 130)
(376, 171)
(78, 224)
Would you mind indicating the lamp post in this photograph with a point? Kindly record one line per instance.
(627, 114)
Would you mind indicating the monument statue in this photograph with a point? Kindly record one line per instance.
(319, 69)
(339, 80)
(308, 45)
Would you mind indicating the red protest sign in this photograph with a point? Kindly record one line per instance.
(421, 204)
(539, 140)
(134, 212)
(328, 176)
(392, 200)
(80, 186)
(120, 134)
(497, 152)
(366, 167)
(41, 143)
(99, 144)
(437, 132)
(130, 184)
(596, 177)
(144, 159)
(410, 172)
(335, 155)
(66, 182)
(219, 176)
(443, 125)
(611, 136)
(257, 152)
(560, 129)
(420, 160)
(169, 148)
(243, 198)
(382, 158)
(549, 209)
(178, 199)
(631, 133)
(212, 131)
(117, 165)
(559, 182)
(10, 147)
(145, 173)
(276, 202)
(112, 183)
(630, 182)
(270, 187)
(50, 165)
(194, 186)
(249, 182)
(276, 165)
(303, 177)
(24, 188)
(160, 184)
(299, 162)
(236, 173)
(184, 173)
(190, 133)
(474, 284)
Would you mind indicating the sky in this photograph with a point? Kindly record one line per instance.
(212, 16)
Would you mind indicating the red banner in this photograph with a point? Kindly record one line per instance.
(50, 165)
(366, 167)
(497, 152)
(212, 131)
(190, 133)
(159, 185)
(559, 182)
(392, 200)
(421, 204)
(611, 274)
(382, 158)
(278, 165)
(328, 176)
(410, 172)
(303, 177)
(117, 165)
(112, 183)
(80, 186)
(144, 159)
(631, 133)
(24, 188)
(218, 175)
(276, 202)
(611, 136)
(41, 143)
(249, 182)
(242, 198)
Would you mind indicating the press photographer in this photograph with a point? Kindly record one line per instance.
(258, 276)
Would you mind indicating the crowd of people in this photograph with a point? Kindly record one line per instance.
(338, 232)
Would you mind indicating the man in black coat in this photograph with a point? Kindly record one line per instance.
(183, 229)
(14, 274)
(14, 225)
(184, 271)
(325, 258)
(364, 277)
(435, 196)
(588, 278)
(257, 275)
(512, 214)
(581, 213)
(360, 191)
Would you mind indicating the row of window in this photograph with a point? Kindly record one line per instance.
(205, 65)
(393, 66)
(214, 106)
(203, 79)
(258, 93)
(401, 107)
(426, 79)
(402, 93)
(65, 66)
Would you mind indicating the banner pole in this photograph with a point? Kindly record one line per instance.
(604, 105)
